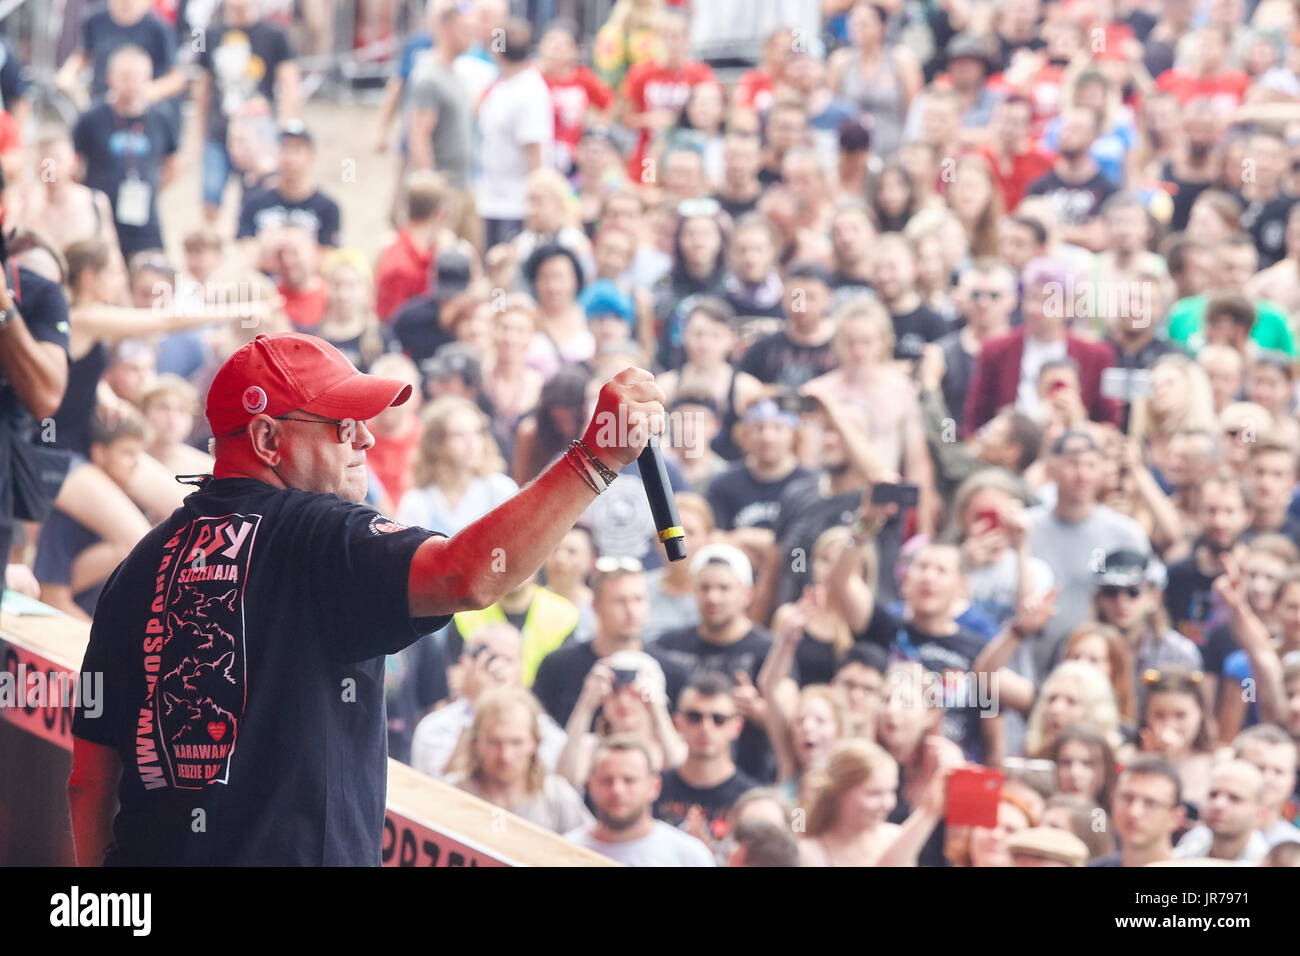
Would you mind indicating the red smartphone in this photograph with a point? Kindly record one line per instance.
(973, 795)
(992, 518)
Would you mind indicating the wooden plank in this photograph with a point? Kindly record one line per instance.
(427, 823)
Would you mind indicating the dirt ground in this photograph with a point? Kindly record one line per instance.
(348, 171)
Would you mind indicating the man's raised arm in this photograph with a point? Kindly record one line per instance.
(496, 553)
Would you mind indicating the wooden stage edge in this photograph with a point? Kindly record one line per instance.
(428, 822)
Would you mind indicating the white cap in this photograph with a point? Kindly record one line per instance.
(726, 554)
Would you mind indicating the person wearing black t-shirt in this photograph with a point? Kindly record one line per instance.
(701, 791)
(295, 200)
(740, 191)
(851, 242)
(123, 23)
(915, 324)
(1075, 185)
(620, 603)
(1195, 164)
(242, 641)
(926, 631)
(726, 641)
(33, 379)
(1272, 475)
(1222, 518)
(244, 59)
(129, 150)
(1264, 203)
(747, 495)
(802, 349)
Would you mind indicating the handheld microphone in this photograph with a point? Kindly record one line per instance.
(659, 492)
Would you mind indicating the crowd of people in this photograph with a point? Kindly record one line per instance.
(978, 327)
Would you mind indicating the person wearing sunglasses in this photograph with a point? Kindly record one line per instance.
(698, 795)
(1127, 596)
(986, 297)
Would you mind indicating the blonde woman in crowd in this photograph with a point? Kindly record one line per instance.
(1075, 692)
(458, 474)
(350, 323)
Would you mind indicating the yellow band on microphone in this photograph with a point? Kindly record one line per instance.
(673, 532)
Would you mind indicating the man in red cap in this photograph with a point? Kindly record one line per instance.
(242, 642)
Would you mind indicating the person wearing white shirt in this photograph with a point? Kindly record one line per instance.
(1231, 817)
(517, 120)
(623, 786)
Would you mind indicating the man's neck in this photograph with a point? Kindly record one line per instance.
(637, 831)
(422, 235)
(704, 773)
(518, 600)
(1046, 335)
(903, 303)
(605, 644)
(807, 334)
(1229, 848)
(742, 191)
(445, 56)
(982, 333)
(842, 482)
(511, 70)
(506, 795)
(131, 107)
(940, 625)
(1076, 170)
(771, 472)
(728, 633)
(1133, 340)
(1073, 512)
(1140, 856)
(296, 190)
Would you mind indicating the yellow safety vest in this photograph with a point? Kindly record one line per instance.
(549, 621)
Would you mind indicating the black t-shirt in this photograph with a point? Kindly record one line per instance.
(1268, 229)
(739, 500)
(268, 209)
(959, 368)
(117, 148)
(101, 36)
(242, 63)
(677, 797)
(912, 330)
(558, 683)
(1076, 204)
(816, 660)
(1184, 192)
(735, 208)
(418, 329)
(1219, 643)
(686, 649)
(13, 84)
(1190, 601)
(775, 360)
(950, 655)
(242, 644)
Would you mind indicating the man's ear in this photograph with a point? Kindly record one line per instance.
(1179, 817)
(265, 438)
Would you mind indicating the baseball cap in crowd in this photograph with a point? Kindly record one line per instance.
(1073, 442)
(968, 46)
(296, 129)
(767, 410)
(727, 555)
(1049, 843)
(808, 270)
(452, 274)
(454, 360)
(277, 374)
(1126, 568)
(603, 299)
(1043, 271)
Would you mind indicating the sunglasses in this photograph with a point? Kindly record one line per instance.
(609, 563)
(696, 717)
(345, 429)
(993, 294)
(1114, 590)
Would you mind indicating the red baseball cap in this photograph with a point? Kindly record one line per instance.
(276, 374)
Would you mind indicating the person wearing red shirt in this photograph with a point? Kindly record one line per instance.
(396, 430)
(295, 258)
(654, 92)
(1209, 79)
(1015, 159)
(575, 91)
(405, 267)
(754, 90)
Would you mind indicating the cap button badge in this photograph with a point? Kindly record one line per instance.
(254, 400)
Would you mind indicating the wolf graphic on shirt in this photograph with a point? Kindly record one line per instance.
(200, 695)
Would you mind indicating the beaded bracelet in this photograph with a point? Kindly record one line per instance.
(605, 471)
